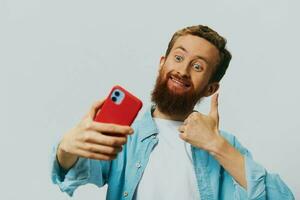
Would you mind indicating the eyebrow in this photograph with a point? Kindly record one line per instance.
(200, 57)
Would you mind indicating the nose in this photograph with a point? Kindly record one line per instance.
(183, 70)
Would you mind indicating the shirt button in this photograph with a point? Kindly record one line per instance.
(138, 164)
(125, 194)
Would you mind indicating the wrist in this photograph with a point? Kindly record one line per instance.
(62, 153)
(65, 159)
(218, 145)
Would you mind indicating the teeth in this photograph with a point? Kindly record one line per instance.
(177, 81)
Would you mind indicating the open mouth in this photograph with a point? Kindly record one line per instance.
(180, 82)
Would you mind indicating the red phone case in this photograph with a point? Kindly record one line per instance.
(123, 113)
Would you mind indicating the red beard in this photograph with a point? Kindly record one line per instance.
(173, 102)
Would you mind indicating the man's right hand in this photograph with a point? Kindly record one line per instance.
(90, 139)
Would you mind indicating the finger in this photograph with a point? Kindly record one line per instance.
(111, 128)
(181, 129)
(95, 107)
(214, 107)
(96, 148)
(185, 122)
(183, 136)
(92, 155)
(101, 139)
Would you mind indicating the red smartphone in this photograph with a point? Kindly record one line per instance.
(120, 107)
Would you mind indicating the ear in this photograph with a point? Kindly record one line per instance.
(211, 88)
(162, 61)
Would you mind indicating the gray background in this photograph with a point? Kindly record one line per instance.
(58, 57)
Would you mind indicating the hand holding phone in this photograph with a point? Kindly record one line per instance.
(120, 107)
(101, 140)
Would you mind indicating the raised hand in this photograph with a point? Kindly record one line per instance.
(91, 139)
(202, 130)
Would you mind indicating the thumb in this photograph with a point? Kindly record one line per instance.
(95, 108)
(214, 107)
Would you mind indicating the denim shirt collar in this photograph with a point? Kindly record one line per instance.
(149, 126)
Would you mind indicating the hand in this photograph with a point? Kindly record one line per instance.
(91, 139)
(201, 130)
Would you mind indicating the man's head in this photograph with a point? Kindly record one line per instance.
(195, 61)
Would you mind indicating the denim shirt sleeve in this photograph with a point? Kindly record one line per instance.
(84, 171)
(261, 185)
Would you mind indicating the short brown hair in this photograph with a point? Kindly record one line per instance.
(213, 37)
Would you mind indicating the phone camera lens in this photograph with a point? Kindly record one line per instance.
(114, 99)
(117, 93)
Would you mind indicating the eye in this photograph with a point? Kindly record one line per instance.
(197, 67)
(178, 58)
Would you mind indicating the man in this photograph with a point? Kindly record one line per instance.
(172, 152)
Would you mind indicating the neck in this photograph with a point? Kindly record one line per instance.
(158, 114)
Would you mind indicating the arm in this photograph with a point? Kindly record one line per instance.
(251, 179)
(65, 160)
(211, 140)
(230, 159)
(84, 153)
(83, 171)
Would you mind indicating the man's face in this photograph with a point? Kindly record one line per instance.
(184, 75)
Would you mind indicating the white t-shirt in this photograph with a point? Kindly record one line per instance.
(169, 174)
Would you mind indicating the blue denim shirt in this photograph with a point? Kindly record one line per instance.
(124, 173)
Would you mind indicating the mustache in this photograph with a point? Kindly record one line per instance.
(184, 79)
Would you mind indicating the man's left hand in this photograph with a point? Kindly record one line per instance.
(201, 130)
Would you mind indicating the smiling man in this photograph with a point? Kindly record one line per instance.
(172, 152)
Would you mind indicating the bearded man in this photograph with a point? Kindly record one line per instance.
(173, 151)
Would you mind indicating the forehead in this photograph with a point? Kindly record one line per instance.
(197, 46)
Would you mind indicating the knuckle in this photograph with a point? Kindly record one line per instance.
(90, 155)
(90, 147)
(191, 117)
(185, 137)
(194, 115)
(94, 105)
(106, 157)
(111, 150)
(127, 130)
(113, 142)
(93, 156)
(181, 129)
(103, 158)
(112, 128)
(123, 140)
(86, 137)
(123, 130)
(96, 156)
(88, 124)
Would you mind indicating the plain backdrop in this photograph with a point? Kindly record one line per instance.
(58, 57)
